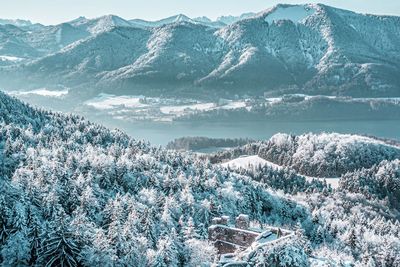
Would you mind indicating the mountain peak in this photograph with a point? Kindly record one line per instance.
(294, 13)
(106, 22)
(203, 19)
(176, 18)
(16, 22)
(78, 21)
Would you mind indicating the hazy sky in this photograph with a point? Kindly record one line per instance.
(56, 11)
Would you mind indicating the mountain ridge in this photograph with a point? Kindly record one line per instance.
(311, 48)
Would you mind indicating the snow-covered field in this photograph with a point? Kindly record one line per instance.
(253, 161)
(106, 101)
(177, 110)
(248, 161)
(182, 109)
(42, 92)
(126, 107)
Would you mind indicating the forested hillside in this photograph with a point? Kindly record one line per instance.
(324, 155)
(197, 143)
(382, 181)
(75, 193)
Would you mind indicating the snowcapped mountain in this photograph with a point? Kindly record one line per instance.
(188, 47)
(101, 24)
(106, 51)
(12, 43)
(211, 23)
(170, 20)
(232, 19)
(309, 48)
(219, 23)
(16, 22)
(38, 41)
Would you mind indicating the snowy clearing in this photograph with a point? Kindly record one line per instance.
(252, 161)
(246, 161)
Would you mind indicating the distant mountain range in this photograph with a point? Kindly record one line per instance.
(312, 48)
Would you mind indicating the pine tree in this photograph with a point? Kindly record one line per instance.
(33, 233)
(58, 247)
(16, 251)
(352, 240)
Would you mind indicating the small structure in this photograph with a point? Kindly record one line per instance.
(242, 222)
(237, 242)
(228, 239)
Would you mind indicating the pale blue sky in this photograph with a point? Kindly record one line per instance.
(56, 11)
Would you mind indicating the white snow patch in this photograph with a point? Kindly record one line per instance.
(246, 161)
(181, 109)
(9, 58)
(107, 101)
(294, 13)
(247, 55)
(43, 92)
(234, 105)
(58, 36)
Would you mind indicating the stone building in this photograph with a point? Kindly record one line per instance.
(227, 238)
(237, 242)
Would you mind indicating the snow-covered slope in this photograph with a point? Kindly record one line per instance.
(101, 24)
(37, 41)
(255, 161)
(188, 47)
(170, 20)
(246, 161)
(309, 48)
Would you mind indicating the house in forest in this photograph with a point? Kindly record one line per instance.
(230, 239)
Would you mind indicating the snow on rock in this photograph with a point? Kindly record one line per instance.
(10, 58)
(246, 161)
(295, 14)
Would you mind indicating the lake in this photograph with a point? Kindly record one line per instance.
(160, 133)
